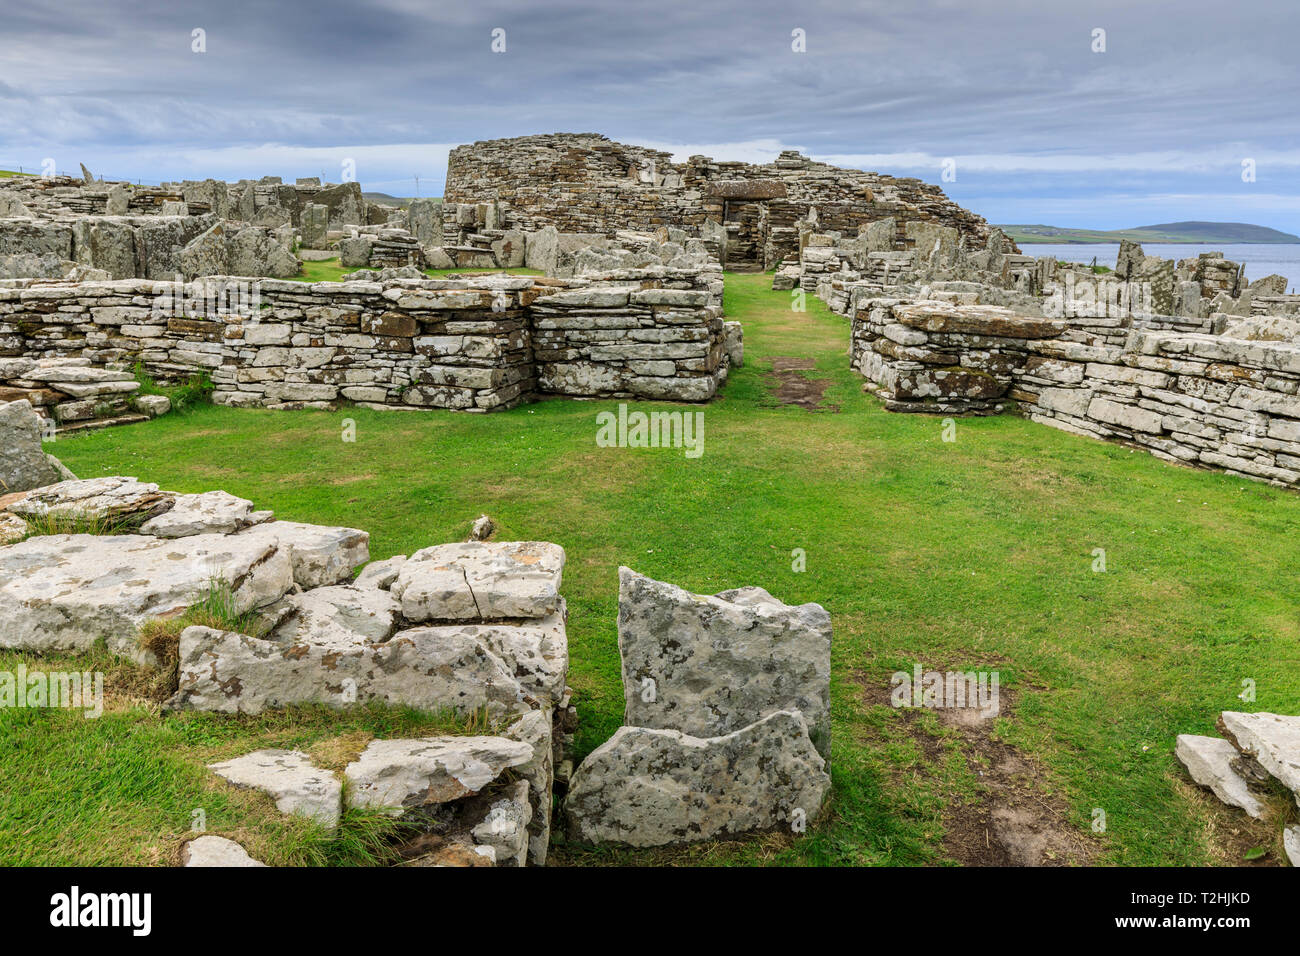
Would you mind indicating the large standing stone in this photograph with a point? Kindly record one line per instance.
(23, 463)
(647, 787)
(481, 580)
(424, 219)
(291, 780)
(405, 774)
(718, 663)
(314, 225)
(1209, 761)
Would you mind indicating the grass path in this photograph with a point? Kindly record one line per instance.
(975, 554)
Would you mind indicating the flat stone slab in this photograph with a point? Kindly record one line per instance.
(943, 317)
(428, 668)
(109, 497)
(335, 616)
(718, 663)
(320, 554)
(64, 592)
(1272, 739)
(647, 787)
(78, 375)
(403, 774)
(215, 851)
(212, 512)
(1208, 760)
(481, 580)
(291, 780)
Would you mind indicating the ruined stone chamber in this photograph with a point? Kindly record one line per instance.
(477, 343)
(585, 183)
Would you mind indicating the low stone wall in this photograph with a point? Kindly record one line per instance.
(473, 343)
(1209, 400)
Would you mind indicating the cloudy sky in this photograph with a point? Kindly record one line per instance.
(1040, 126)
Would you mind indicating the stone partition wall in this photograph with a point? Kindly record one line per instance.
(473, 343)
(1211, 400)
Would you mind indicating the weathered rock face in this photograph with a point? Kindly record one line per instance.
(716, 664)
(480, 580)
(1209, 761)
(291, 780)
(23, 464)
(429, 668)
(656, 787)
(337, 617)
(64, 592)
(400, 775)
(213, 512)
(1272, 739)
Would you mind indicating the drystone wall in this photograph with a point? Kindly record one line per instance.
(1228, 401)
(475, 343)
(586, 183)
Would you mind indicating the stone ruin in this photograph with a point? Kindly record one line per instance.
(1186, 360)
(734, 740)
(584, 183)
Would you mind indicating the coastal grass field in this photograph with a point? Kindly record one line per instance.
(976, 554)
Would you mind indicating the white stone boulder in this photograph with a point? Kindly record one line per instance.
(291, 780)
(1208, 760)
(399, 775)
(215, 851)
(481, 580)
(647, 787)
(1291, 843)
(719, 663)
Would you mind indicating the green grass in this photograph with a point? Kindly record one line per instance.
(972, 555)
(9, 174)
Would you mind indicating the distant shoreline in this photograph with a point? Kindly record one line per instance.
(1020, 240)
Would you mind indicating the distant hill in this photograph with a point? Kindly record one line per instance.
(1200, 232)
(384, 199)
